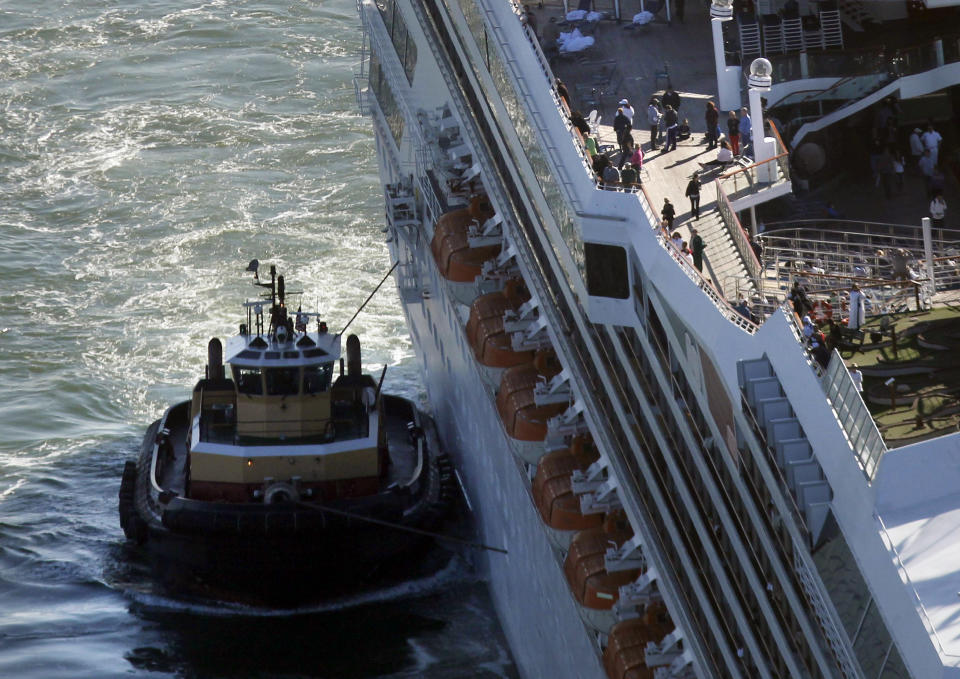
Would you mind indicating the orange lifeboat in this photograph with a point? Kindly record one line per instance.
(522, 417)
(585, 569)
(491, 345)
(624, 656)
(455, 259)
(553, 494)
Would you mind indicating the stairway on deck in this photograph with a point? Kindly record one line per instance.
(722, 264)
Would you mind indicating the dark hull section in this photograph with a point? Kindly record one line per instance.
(290, 552)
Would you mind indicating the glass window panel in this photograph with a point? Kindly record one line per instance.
(249, 380)
(283, 381)
(410, 58)
(607, 274)
(316, 378)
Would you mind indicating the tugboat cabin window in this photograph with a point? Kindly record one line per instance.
(316, 378)
(607, 273)
(248, 380)
(283, 381)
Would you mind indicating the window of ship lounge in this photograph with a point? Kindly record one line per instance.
(249, 380)
(388, 105)
(607, 274)
(399, 35)
(316, 378)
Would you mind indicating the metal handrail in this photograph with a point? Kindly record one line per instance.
(782, 159)
(702, 282)
(741, 241)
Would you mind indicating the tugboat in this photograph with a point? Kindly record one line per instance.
(274, 479)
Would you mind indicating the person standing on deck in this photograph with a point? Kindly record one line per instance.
(733, 132)
(621, 126)
(653, 119)
(916, 146)
(938, 210)
(856, 376)
(697, 246)
(746, 130)
(668, 212)
(670, 121)
(637, 160)
(712, 117)
(931, 142)
(858, 309)
(693, 193)
(627, 111)
(672, 98)
(628, 146)
(563, 93)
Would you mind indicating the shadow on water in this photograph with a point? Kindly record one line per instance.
(406, 630)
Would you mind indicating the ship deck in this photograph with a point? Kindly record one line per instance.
(641, 56)
(918, 512)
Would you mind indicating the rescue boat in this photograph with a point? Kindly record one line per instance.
(279, 480)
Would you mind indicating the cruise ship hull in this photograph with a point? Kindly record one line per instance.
(540, 617)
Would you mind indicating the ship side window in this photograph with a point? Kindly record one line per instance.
(397, 30)
(249, 380)
(607, 273)
(316, 378)
(283, 381)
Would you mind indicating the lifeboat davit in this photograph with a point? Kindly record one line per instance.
(553, 492)
(625, 654)
(491, 345)
(585, 568)
(522, 417)
(456, 260)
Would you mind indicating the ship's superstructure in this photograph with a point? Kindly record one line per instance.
(680, 492)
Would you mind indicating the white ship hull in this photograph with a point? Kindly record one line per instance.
(536, 609)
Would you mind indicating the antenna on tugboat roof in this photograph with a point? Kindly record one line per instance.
(370, 296)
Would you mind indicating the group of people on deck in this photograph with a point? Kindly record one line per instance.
(817, 341)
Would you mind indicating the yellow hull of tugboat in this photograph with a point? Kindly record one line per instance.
(349, 464)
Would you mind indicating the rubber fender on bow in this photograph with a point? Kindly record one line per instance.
(133, 526)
